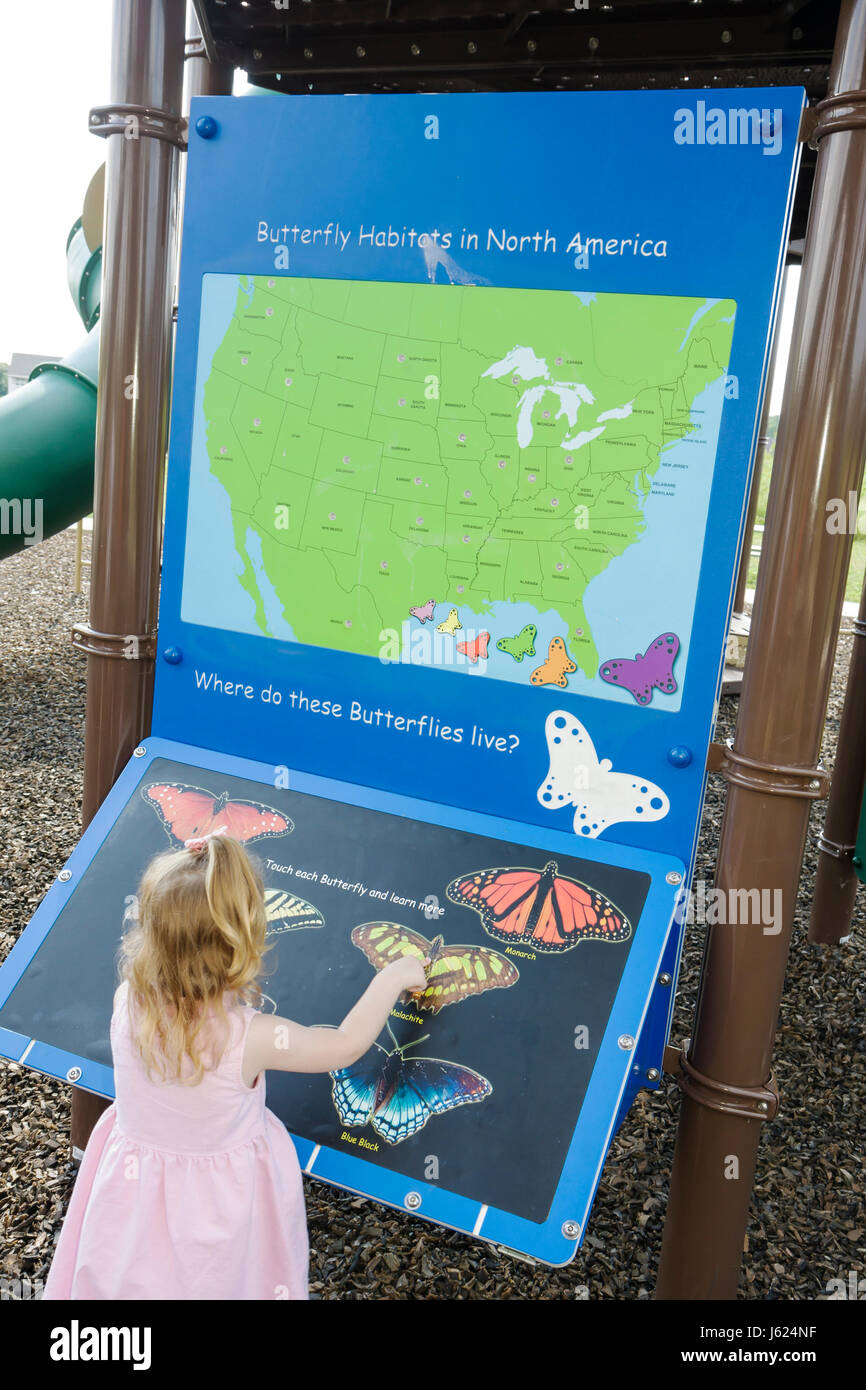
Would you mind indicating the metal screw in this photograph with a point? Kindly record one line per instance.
(65, 875)
(257, 54)
(593, 45)
(74, 1074)
(673, 877)
(139, 752)
(726, 36)
(472, 48)
(664, 979)
(653, 1074)
(625, 1041)
(308, 53)
(531, 46)
(412, 1200)
(414, 50)
(571, 1229)
(796, 33)
(762, 1105)
(361, 52)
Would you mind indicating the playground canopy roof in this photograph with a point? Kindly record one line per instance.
(318, 46)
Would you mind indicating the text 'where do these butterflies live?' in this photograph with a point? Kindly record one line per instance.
(425, 725)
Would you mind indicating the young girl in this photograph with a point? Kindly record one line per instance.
(189, 1187)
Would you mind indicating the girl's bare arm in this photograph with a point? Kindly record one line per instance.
(278, 1044)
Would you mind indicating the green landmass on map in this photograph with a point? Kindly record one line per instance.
(393, 443)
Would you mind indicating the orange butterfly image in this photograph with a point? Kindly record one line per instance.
(539, 908)
(557, 668)
(188, 812)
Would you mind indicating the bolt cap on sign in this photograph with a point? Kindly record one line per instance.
(206, 127)
(680, 756)
(173, 655)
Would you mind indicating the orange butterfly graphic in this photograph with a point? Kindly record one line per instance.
(557, 668)
(539, 908)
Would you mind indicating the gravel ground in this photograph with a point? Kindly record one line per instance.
(808, 1220)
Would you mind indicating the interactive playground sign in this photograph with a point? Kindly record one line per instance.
(466, 390)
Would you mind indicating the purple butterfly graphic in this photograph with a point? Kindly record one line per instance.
(424, 614)
(655, 669)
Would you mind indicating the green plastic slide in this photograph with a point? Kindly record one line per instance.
(48, 427)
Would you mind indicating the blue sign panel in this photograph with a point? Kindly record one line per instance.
(465, 396)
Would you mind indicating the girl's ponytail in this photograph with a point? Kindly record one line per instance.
(199, 935)
(235, 899)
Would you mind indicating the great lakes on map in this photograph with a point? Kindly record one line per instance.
(491, 450)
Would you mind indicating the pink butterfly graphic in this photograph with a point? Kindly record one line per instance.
(652, 671)
(475, 649)
(424, 614)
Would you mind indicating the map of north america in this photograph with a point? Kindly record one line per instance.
(402, 454)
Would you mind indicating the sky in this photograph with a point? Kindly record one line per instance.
(49, 157)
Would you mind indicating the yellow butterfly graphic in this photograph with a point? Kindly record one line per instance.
(285, 912)
(454, 972)
(451, 624)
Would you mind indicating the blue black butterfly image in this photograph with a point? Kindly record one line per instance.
(398, 1095)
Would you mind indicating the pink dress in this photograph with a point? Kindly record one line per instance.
(184, 1192)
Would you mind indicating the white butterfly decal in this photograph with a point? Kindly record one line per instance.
(600, 797)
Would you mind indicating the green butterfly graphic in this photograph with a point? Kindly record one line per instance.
(522, 645)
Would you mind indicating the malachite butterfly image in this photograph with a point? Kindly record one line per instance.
(454, 972)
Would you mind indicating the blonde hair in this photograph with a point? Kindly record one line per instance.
(200, 932)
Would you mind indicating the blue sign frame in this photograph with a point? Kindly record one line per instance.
(614, 1066)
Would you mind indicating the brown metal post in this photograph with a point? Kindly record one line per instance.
(763, 441)
(143, 123)
(203, 78)
(836, 881)
(771, 770)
